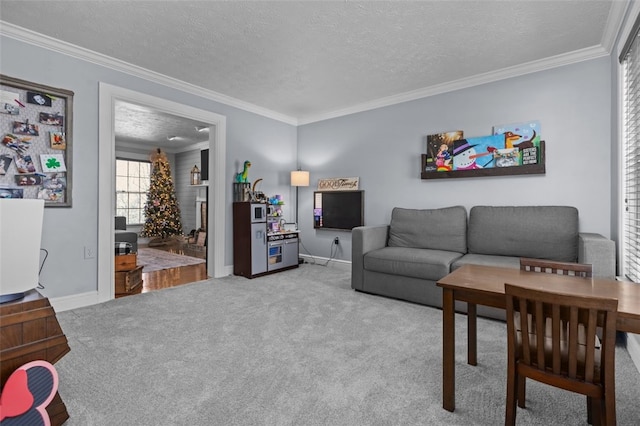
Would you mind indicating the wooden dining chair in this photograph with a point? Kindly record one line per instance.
(584, 270)
(567, 354)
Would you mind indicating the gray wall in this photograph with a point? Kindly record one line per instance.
(269, 144)
(185, 192)
(383, 147)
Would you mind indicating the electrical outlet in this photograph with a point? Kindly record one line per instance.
(89, 253)
(336, 240)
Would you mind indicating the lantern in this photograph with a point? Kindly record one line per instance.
(195, 176)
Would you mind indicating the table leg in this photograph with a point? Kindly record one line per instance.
(448, 350)
(472, 334)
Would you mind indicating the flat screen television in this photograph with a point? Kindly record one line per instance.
(338, 209)
(204, 164)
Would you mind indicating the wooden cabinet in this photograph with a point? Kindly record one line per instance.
(29, 331)
(249, 239)
(257, 252)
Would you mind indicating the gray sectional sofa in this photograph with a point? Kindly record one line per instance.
(406, 258)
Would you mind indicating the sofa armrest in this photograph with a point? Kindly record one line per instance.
(363, 240)
(598, 251)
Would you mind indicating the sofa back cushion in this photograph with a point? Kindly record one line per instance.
(121, 223)
(542, 232)
(437, 229)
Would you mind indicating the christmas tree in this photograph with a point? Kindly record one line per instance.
(162, 213)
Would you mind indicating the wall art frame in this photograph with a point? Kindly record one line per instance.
(36, 131)
(527, 169)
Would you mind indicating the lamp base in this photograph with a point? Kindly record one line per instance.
(6, 298)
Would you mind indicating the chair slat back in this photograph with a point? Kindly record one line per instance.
(561, 268)
(568, 347)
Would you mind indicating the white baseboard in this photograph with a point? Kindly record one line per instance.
(228, 270)
(74, 301)
(633, 347)
(343, 265)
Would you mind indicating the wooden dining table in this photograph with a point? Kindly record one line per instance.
(484, 285)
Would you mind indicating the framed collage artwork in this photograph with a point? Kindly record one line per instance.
(36, 124)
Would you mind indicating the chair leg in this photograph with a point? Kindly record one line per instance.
(597, 414)
(589, 410)
(609, 406)
(522, 386)
(512, 390)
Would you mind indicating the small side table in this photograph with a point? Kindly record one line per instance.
(30, 331)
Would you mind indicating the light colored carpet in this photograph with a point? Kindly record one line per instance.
(295, 348)
(155, 260)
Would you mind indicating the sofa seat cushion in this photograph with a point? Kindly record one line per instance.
(486, 260)
(542, 232)
(437, 229)
(411, 262)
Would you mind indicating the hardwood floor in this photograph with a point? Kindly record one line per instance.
(165, 278)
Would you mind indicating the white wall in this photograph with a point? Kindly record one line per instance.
(269, 144)
(383, 148)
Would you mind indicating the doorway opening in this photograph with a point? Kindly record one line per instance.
(215, 219)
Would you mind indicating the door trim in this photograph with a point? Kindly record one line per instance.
(108, 94)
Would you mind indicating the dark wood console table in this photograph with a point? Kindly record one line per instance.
(29, 331)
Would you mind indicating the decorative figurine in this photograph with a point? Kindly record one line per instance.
(243, 176)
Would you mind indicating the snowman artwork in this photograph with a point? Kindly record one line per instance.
(464, 156)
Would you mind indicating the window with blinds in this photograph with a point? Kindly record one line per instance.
(132, 183)
(630, 60)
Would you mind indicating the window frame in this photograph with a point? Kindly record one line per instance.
(141, 193)
(629, 104)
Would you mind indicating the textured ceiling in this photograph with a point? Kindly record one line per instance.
(137, 125)
(306, 59)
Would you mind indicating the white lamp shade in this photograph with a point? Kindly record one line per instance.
(20, 237)
(299, 178)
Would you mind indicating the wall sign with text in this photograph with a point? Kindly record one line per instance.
(338, 184)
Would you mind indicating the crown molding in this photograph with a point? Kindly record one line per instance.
(614, 22)
(50, 43)
(632, 13)
(464, 83)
